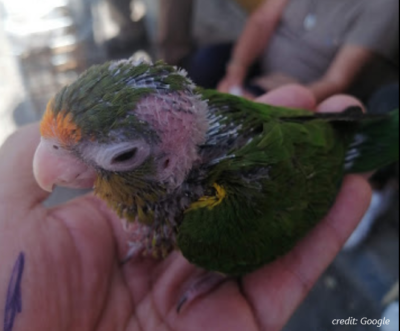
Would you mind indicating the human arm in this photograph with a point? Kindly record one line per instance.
(343, 71)
(174, 30)
(72, 278)
(252, 42)
(371, 37)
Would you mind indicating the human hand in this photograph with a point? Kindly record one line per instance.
(72, 278)
(274, 81)
(234, 78)
(228, 84)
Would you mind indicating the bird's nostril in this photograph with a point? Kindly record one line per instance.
(56, 147)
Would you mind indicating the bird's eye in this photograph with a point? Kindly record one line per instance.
(125, 156)
(118, 157)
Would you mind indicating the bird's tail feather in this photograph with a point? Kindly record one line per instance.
(375, 145)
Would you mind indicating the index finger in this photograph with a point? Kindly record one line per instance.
(339, 103)
(291, 96)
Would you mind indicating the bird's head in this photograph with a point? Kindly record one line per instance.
(122, 126)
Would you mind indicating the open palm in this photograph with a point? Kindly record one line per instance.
(73, 280)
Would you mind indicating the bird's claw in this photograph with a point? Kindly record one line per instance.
(201, 286)
(135, 250)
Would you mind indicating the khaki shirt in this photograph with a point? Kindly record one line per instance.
(312, 32)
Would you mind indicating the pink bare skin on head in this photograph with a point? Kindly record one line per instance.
(181, 123)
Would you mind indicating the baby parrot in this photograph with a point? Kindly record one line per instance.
(231, 183)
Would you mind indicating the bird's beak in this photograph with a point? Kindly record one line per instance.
(54, 166)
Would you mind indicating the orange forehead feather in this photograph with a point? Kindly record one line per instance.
(60, 126)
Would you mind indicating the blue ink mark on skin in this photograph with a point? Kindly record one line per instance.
(14, 301)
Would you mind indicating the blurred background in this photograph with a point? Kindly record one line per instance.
(47, 44)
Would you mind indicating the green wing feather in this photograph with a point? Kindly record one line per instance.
(278, 182)
(277, 187)
(375, 144)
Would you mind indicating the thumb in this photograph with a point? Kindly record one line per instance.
(16, 172)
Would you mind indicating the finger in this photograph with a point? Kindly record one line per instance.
(280, 287)
(16, 174)
(222, 88)
(338, 104)
(291, 96)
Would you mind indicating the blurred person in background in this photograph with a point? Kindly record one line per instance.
(132, 34)
(174, 30)
(329, 46)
